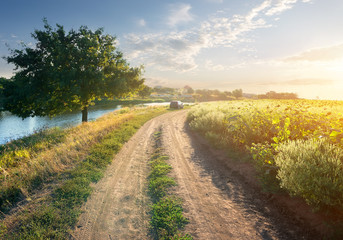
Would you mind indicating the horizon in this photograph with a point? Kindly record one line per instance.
(258, 46)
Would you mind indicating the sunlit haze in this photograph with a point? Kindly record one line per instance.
(256, 45)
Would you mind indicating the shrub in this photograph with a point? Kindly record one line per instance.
(313, 170)
(263, 155)
(211, 121)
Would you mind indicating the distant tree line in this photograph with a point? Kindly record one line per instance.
(165, 90)
(214, 95)
(275, 95)
(198, 95)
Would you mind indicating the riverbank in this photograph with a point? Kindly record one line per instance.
(12, 127)
(44, 182)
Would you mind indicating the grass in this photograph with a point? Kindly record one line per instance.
(17, 151)
(167, 219)
(20, 180)
(72, 166)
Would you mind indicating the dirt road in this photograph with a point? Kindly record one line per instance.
(218, 202)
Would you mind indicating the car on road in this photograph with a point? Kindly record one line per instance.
(176, 104)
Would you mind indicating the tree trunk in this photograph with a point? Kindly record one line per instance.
(85, 114)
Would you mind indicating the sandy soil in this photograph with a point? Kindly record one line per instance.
(219, 202)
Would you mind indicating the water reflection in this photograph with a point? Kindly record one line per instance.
(12, 127)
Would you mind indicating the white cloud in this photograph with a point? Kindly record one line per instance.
(323, 54)
(179, 13)
(280, 6)
(214, 67)
(299, 82)
(177, 50)
(174, 51)
(209, 65)
(141, 22)
(155, 81)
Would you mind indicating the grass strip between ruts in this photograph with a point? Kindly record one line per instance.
(58, 213)
(166, 212)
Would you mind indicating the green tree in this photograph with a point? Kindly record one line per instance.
(67, 71)
(237, 93)
(145, 91)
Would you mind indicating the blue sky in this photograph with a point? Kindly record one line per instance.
(256, 45)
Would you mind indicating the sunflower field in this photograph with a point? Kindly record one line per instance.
(296, 145)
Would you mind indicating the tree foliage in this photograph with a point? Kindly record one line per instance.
(145, 91)
(67, 71)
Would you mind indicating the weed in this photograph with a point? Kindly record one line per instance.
(167, 217)
(166, 212)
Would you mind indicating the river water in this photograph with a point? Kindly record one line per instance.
(12, 127)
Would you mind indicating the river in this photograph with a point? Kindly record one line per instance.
(12, 127)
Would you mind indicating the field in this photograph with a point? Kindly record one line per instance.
(296, 145)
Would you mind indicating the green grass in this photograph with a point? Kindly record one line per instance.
(56, 214)
(167, 219)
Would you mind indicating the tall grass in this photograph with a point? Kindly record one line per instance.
(24, 169)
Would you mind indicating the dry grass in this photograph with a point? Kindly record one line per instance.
(19, 181)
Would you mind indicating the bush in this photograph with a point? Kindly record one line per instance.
(211, 121)
(263, 155)
(312, 169)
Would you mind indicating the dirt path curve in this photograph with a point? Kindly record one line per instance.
(218, 203)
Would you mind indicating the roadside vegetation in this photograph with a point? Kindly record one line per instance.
(296, 145)
(45, 178)
(166, 212)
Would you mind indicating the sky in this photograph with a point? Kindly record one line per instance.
(255, 45)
